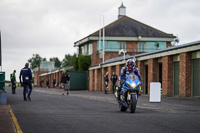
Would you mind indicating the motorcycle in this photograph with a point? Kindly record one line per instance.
(129, 93)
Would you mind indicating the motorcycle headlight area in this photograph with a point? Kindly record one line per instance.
(133, 85)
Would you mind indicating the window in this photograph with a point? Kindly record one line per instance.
(162, 45)
(90, 49)
(141, 46)
(151, 46)
(122, 45)
(111, 45)
(84, 50)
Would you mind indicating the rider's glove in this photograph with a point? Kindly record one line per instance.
(119, 84)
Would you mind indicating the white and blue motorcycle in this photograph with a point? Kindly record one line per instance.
(129, 93)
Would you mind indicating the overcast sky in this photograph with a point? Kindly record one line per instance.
(50, 27)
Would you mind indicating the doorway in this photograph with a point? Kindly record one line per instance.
(195, 77)
(176, 78)
(146, 79)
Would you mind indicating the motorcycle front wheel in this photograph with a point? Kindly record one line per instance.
(133, 103)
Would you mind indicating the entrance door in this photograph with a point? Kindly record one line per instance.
(196, 77)
(146, 79)
(176, 78)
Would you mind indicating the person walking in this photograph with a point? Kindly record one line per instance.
(65, 82)
(113, 80)
(106, 81)
(26, 76)
(13, 81)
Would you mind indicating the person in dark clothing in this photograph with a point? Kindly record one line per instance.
(26, 76)
(41, 82)
(113, 80)
(54, 83)
(13, 81)
(106, 81)
(47, 83)
(65, 82)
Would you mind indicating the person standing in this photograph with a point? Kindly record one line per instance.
(113, 80)
(47, 83)
(54, 83)
(65, 82)
(13, 81)
(26, 75)
(106, 81)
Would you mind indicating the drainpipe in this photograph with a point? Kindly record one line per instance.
(101, 77)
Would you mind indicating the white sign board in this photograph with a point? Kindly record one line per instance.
(155, 92)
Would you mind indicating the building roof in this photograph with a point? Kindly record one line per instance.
(128, 27)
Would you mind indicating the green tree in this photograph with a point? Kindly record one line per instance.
(84, 62)
(57, 61)
(44, 59)
(68, 60)
(35, 61)
(75, 63)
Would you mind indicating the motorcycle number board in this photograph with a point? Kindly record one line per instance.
(155, 92)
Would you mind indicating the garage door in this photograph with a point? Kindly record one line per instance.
(176, 78)
(196, 79)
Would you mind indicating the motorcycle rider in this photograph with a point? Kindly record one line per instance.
(129, 68)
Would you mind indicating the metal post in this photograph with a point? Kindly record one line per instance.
(103, 38)
(100, 38)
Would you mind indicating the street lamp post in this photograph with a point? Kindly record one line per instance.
(122, 51)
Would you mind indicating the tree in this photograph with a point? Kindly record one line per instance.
(35, 61)
(57, 61)
(44, 59)
(75, 63)
(84, 62)
(68, 60)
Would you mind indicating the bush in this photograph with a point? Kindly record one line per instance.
(84, 62)
(75, 63)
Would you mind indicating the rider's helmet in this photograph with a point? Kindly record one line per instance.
(130, 64)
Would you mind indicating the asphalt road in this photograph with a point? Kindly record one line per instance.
(95, 112)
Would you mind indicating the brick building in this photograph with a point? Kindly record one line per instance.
(124, 33)
(45, 67)
(49, 76)
(177, 68)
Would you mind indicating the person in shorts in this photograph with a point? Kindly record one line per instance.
(65, 82)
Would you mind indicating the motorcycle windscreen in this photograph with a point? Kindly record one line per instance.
(132, 76)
